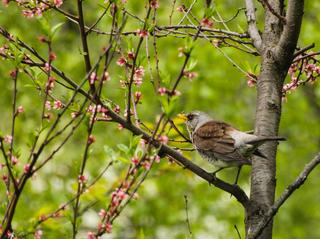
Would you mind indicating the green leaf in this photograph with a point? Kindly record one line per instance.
(123, 148)
(55, 29)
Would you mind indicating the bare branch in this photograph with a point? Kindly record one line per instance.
(252, 26)
(291, 31)
(285, 195)
(282, 18)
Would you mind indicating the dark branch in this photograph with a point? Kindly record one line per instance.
(291, 31)
(285, 195)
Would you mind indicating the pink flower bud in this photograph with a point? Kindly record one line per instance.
(57, 104)
(142, 33)
(91, 139)
(162, 91)
(121, 61)
(57, 3)
(7, 139)
(20, 109)
(108, 227)
(163, 139)
(154, 4)
(206, 22)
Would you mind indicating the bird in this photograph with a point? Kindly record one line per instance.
(221, 144)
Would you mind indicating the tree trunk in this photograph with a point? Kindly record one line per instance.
(278, 44)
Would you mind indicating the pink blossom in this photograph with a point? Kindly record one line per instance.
(14, 160)
(190, 75)
(91, 235)
(57, 104)
(121, 194)
(38, 234)
(26, 168)
(74, 115)
(13, 73)
(137, 96)
(117, 109)
(91, 139)
(52, 56)
(42, 39)
(20, 109)
(102, 213)
(5, 178)
(27, 13)
(131, 55)
(106, 76)
(57, 3)
(120, 127)
(48, 105)
(121, 61)
(147, 165)
(108, 227)
(7, 139)
(93, 78)
(82, 178)
(47, 67)
(5, 2)
(157, 159)
(154, 4)
(138, 75)
(176, 93)
(142, 33)
(206, 22)
(163, 139)
(162, 90)
(135, 160)
(251, 83)
(50, 83)
(180, 8)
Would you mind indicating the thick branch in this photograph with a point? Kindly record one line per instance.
(235, 190)
(252, 26)
(286, 194)
(291, 31)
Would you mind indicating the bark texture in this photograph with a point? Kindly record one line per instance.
(279, 41)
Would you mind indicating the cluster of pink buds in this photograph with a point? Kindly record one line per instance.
(29, 9)
(302, 71)
(190, 74)
(138, 76)
(50, 83)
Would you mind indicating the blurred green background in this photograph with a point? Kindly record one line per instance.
(220, 89)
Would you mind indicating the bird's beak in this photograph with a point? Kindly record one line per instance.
(182, 117)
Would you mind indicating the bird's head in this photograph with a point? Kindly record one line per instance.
(194, 119)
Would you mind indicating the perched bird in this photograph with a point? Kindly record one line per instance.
(221, 144)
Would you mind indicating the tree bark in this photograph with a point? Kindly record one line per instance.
(279, 41)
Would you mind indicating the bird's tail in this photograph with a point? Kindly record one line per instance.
(261, 139)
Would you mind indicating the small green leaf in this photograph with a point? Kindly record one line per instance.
(123, 148)
(55, 29)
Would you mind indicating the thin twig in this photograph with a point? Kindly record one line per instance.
(187, 214)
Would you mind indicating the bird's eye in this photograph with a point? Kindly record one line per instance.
(190, 116)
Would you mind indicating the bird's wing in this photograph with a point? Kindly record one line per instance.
(213, 136)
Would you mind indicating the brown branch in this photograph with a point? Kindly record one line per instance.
(270, 8)
(291, 31)
(302, 50)
(84, 41)
(252, 25)
(285, 195)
